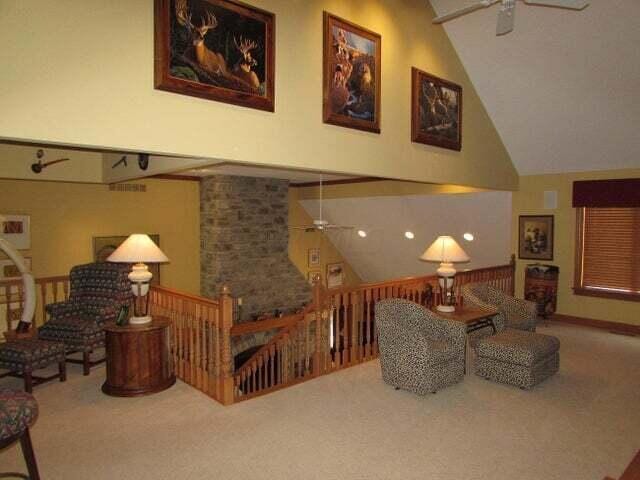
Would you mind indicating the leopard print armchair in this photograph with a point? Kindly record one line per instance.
(419, 351)
(514, 312)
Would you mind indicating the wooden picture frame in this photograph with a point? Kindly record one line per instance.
(436, 111)
(313, 257)
(105, 246)
(351, 90)
(9, 270)
(16, 229)
(189, 50)
(335, 275)
(535, 237)
(314, 276)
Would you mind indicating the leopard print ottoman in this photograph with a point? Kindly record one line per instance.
(519, 358)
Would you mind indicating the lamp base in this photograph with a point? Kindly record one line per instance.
(446, 308)
(140, 320)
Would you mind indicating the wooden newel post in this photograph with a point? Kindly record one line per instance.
(226, 370)
(513, 274)
(317, 306)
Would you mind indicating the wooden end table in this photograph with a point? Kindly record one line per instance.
(474, 319)
(139, 359)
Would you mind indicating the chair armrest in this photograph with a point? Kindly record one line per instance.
(450, 331)
(62, 309)
(519, 313)
(499, 320)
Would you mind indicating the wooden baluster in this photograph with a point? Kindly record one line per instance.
(259, 364)
(337, 343)
(354, 325)
(370, 307)
(226, 320)
(317, 306)
(272, 354)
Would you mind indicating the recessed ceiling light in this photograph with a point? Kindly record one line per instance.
(409, 235)
(468, 237)
(362, 233)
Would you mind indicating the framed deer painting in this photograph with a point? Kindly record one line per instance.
(436, 111)
(216, 49)
(351, 75)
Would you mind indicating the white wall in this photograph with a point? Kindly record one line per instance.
(385, 253)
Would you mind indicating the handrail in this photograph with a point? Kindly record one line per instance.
(265, 325)
(187, 296)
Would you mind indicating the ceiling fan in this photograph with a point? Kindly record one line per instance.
(320, 224)
(506, 15)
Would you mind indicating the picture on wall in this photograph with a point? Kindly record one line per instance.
(314, 276)
(335, 275)
(9, 270)
(216, 49)
(313, 257)
(105, 246)
(16, 229)
(352, 74)
(535, 237)
(436, 111)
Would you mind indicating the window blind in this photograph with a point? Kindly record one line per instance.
(611, 249)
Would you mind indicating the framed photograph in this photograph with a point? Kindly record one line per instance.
(313, 257)
(105, 246)
(335, 275)
(314, 276)
(535, 237)
(16, 229)
(351, 75)
(216, 49)
(9, 271)
(436, 111)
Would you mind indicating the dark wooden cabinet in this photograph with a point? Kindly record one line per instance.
(139, 359)
(541, 287)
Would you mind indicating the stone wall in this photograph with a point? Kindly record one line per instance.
(244, 244)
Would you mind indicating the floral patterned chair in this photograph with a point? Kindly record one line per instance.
(419, 351)
(98, 291)
(18, 412)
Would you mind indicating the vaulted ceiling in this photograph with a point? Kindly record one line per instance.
(562, 88)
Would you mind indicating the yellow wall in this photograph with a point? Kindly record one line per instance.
(66, 216)
(81, 73)
(529, 201)
(301, 241)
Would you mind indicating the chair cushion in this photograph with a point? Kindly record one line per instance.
(518, 347)
(70, 328)
(18, 411)
(26, 355)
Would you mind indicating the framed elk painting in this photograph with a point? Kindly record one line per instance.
(436, 111)
(351, 74)
(216, 49)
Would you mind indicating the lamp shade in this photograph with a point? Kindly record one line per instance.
(445, 250)
(138, 248)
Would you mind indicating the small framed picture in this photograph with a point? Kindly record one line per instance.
(314, 276)
(9, 270)
(335, 275)
(16, 229)
(313, 257)
(535, 237)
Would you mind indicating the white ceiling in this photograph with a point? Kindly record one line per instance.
(562, 88)
(386, 254)
(294, 176)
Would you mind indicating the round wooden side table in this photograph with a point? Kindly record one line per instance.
(139, 359)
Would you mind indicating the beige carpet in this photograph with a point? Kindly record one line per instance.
(582, 424)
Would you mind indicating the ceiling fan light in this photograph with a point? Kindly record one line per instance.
(362, 234)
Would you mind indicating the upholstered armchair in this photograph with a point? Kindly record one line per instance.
(514, 312)
(98, 291)
(419, 351)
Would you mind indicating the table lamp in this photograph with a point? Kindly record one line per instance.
(139, 249)
(445, 251)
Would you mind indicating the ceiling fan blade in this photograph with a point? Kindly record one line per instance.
(506, 20)
(463, 11)
(571, 4)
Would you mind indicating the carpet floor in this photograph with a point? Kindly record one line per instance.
(582, 424)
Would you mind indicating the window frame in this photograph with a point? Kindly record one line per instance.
(578, 286)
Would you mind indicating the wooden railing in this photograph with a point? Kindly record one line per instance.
(200, 339)
(337, 330)
(345, 320)
(48, 290)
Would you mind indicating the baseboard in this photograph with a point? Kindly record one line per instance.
(615, 327)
